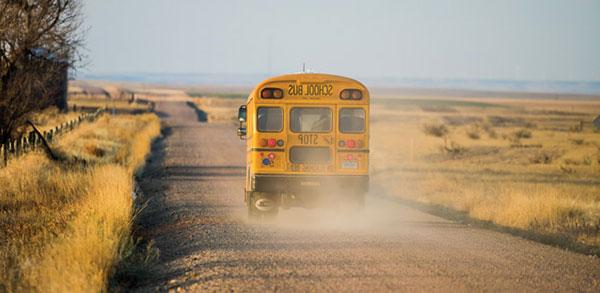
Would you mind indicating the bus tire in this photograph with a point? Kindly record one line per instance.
(261, 206)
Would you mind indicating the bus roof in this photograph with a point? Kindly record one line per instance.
(318, 78)
(315, 77)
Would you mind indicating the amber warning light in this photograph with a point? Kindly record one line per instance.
(350, 94)
(271, 93)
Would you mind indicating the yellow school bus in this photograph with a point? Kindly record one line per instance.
(307, 138)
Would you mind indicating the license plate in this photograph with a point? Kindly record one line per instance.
(350, 165)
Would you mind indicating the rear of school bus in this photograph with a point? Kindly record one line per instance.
(307, 139)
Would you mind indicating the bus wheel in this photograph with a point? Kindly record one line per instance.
(261, 206)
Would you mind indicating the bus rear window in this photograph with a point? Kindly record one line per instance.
(269, 119)
(310, 119)
(352, 120)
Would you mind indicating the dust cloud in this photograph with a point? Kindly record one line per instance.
(379, 215)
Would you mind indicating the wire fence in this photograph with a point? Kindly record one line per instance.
(32, 141)
(139, 106)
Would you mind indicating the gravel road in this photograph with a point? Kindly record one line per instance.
(197, 218)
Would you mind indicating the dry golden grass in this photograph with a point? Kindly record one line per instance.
(520, 164)
(123, 140)
(218, 109)
(64, 223)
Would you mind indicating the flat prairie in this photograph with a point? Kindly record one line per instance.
(528, 164)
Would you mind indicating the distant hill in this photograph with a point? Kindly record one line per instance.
(558, 87)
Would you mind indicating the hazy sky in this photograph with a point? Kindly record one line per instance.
(533, 40)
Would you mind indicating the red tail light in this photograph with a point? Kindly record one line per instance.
(272, 142)
(350, 143)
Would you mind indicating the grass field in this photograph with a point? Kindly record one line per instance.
(65, 223)
(532, 165)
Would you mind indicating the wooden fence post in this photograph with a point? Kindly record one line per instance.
(5, 154)
(9, 150)
(17, 147)
(25, 144)
(22, 145)
(32, 140)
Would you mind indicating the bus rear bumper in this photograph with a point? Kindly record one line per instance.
(304, 183)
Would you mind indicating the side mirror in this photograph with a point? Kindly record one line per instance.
(242, 113)
(241, 132)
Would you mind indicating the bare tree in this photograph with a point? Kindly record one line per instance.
(39, 39)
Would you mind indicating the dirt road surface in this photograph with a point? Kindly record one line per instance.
(197, 218)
